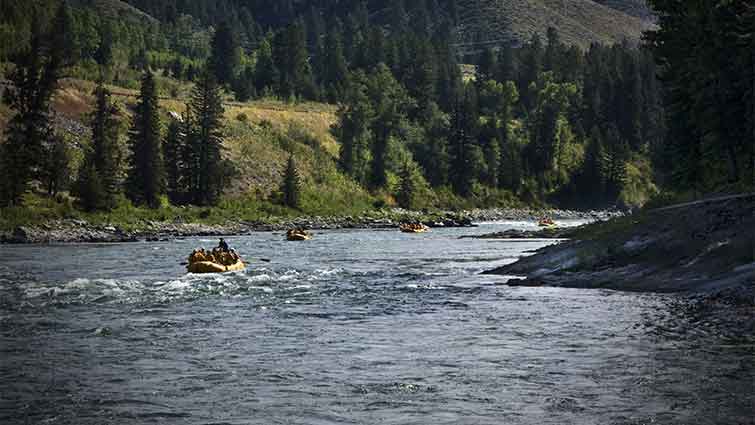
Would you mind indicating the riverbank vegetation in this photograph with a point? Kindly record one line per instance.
(371, 112)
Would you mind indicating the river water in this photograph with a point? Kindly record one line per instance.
(362, 327)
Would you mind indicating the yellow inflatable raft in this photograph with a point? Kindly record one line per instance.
(414, 229)
(210, 267)
(546, 222)
(298, 235)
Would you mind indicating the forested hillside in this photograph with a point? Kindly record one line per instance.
(542, 121)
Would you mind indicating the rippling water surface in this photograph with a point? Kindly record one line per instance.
(352, 327)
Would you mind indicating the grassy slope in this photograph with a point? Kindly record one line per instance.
(260, 136)
(580, 22)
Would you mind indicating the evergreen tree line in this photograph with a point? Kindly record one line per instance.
(310, 59)
(706, 53)
(96, 39)
(185, 163)
(541, 121)
(32, 150)
(252, 39)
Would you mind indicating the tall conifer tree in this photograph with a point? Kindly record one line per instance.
(146, 179)
(98, 183)
(205, 171)
(226, 56)
(29, 132)
(291, 186)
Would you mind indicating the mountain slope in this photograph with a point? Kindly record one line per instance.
(116, 9)
(580, 22)
(637, 8)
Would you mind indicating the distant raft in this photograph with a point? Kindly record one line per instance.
(202, 267)
(298, 235)
(413, 228)
(546, 222)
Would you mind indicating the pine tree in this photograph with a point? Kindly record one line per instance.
(292, 61)
(432, 151)
(226, 55)
(353, 128)
(291, 187)
(462, 140)
(705, 58)
(205, 171)
(408, 187)
(28, 133)
(55, 169)
(492, 152)
(510, 169)
(421, 76)
(315, 26)
(243, 85)
(266, 73)
(376, 46)
(531, 66)
(102, 158)
(592, 179)
(334, 70)
(89, 188)
(507, 64)
(391, 104)
(552, 59)
(547, 127)
(63, 45)
(146, 179)
(173, 150)
(487, 69)
(104, 54)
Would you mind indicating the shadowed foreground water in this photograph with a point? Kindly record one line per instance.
(352, 327)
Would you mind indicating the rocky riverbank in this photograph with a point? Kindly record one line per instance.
(78, 231)
(703, 247)
(546, 233)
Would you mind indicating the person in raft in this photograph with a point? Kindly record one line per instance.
(223, 246)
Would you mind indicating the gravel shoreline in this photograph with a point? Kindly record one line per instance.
(80, 231)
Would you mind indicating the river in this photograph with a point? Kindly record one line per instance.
(362, 327)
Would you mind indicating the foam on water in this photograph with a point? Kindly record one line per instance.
(189, 286)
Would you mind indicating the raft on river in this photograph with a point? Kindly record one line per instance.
(414, 228)
(217, 261)
(212, 267)
(298, 235)
(546, 222)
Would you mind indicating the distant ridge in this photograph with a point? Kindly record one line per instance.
(116, 9)
(579, 22)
